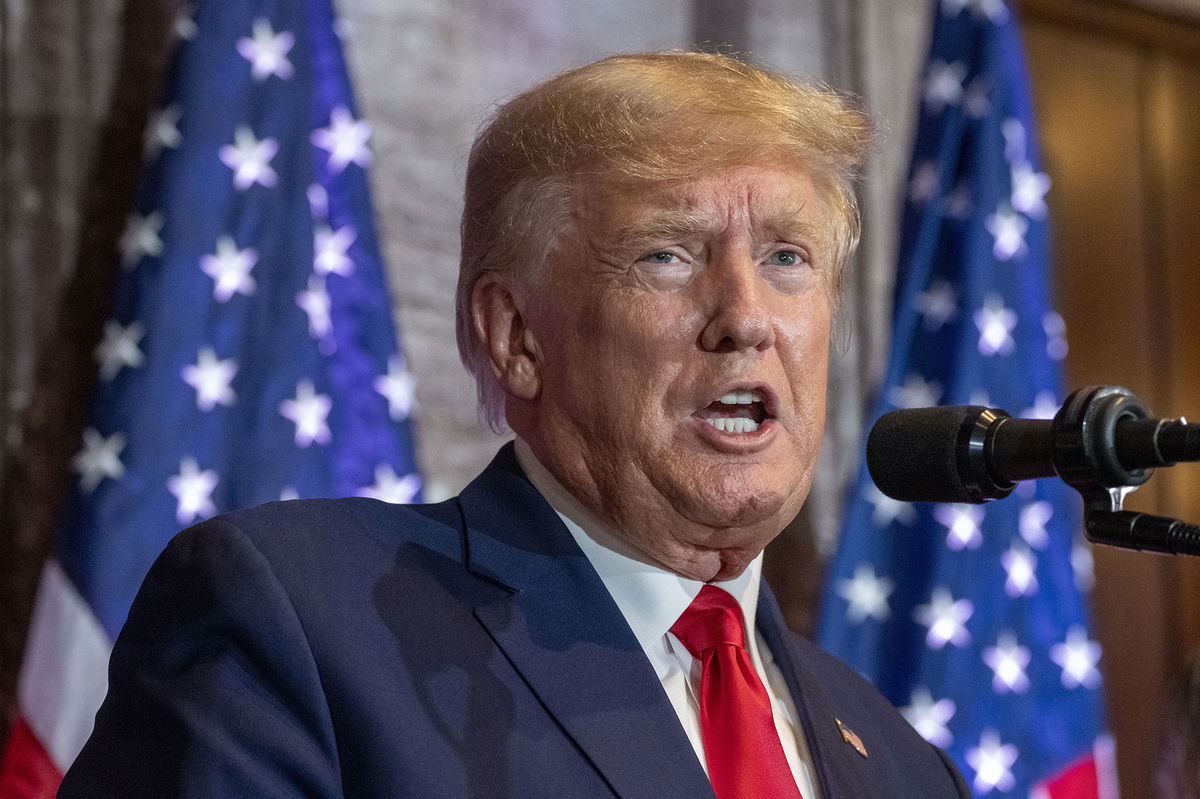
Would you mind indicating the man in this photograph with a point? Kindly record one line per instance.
(653, 248)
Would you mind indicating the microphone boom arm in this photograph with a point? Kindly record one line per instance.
(1085, 436)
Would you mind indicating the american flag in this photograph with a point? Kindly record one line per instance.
(973, 618)
(251, 354)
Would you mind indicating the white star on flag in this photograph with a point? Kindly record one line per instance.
(1056, 336)
(193, 491)
(992, 761)
(888, 510)
(979, 396)
(962, 523)
(345, 140)
(915, 393)
(163, 131)
(1007, 660)
(944, 84)
(959, 203)
(938, 304)
(952, 8)
(288, 493)
(210, 378)
(99, 458)
(391, 487)
(976, 100)
(866, 594)
(330, 247)
(318, 200)
(995, 323)
(924, 184)
(314, 301)
(1020, 564)
(1083, 566)
(250, 159)
(1029, 190)
(119, 348)
(141, 238)
(1008, 230)
(929, 718)
(267, 51)
(1045, 405)
(946, 619)
(1077, 656)
(994, 10)
(308, 411)
(1032, 523)
(398, 387)
(230, 269)
(1014, 139)
(185, 23)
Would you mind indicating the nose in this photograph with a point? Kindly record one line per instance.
(739, 318)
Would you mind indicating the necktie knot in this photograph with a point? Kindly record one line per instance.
(713, 618)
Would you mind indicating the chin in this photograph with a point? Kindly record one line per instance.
(739, 502)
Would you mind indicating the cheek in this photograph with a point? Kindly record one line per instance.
(608, 359)
(638, 333)
(806, 354)
(805, 332)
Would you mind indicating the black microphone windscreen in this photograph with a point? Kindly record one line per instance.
(912, 454)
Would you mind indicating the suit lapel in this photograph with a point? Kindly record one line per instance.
(562, 631)
(837, 765)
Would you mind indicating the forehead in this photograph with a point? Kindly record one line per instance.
(766, 198)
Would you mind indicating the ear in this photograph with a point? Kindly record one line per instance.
(511, 346)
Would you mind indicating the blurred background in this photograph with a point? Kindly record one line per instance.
(1116, 88)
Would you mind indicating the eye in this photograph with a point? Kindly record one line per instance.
(664, 270)
(786, 258)
(660, 257)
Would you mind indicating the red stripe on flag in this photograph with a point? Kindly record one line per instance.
(1077, 781)
(27, 771)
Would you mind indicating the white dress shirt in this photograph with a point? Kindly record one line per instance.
(652, 598)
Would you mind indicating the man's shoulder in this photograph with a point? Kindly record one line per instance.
(312, 539)
(319, 520)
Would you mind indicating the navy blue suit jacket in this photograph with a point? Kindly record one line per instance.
(351, 648)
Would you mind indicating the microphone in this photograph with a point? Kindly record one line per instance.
(974, 454)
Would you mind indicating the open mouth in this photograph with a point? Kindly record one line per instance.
(738, 411)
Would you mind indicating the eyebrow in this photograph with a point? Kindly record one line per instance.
(789, 221)
(665, 224)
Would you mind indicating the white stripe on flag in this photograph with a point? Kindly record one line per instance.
(64, 674)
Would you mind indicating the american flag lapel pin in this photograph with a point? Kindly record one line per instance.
(851, 737)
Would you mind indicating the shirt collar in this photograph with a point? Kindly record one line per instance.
(650, 597)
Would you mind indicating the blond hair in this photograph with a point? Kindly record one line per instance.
(642, 117)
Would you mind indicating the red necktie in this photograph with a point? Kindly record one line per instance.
(745, 757)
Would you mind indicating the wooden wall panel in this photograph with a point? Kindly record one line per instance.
(1120, 132)
(1172, 89)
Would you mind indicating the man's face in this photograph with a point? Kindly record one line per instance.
(681, 332)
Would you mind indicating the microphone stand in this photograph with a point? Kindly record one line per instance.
(1141, 531)
(1084, 433)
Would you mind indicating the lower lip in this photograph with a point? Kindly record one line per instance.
(736, 442)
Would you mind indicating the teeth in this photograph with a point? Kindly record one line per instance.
(740, 398)
(728, 425)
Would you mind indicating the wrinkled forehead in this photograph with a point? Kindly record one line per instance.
(769, 197)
